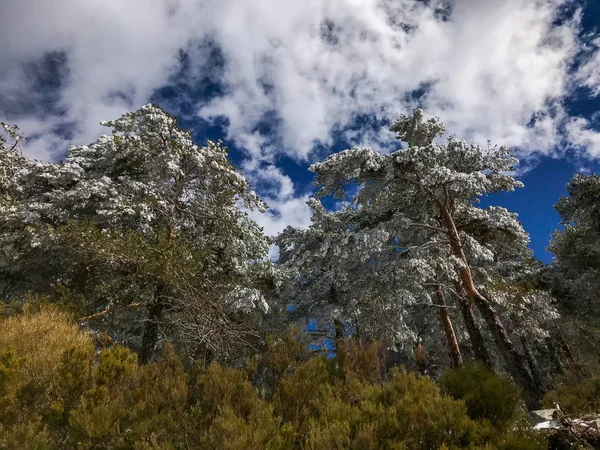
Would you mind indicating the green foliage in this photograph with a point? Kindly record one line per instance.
(493, 401)
(29, 435)
(130, 406)
(409, 410)
(576, 265)
(284, 399)
(486, 395)
(228, 414)
(577, 391)
(521, 438)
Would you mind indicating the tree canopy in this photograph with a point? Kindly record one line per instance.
(141, 217)
(139, 250)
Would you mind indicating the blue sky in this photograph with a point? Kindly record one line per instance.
(287, 83)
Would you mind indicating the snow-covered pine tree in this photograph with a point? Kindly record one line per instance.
(430, 190)
(576, 247)
(333, 278)
(149, 179)
(11, 159)
(346, 269)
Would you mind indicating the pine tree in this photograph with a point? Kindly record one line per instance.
(425, 197)
(335, 278)
(141, 217)
(576, 248)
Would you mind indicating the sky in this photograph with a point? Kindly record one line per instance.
(285, 84)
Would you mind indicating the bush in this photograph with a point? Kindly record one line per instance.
(486, 395)
(40, 338)
(228, 414)
(409, 410)
(80, 399)
(495, 403)
(576, 392)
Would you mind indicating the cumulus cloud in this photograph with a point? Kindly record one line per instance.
(113, 54)
(487, 68)
(295, 78)
(281, 213)
(583, 136)
(588, 74)
(286, 205)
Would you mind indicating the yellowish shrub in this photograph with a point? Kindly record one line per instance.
(40, 338)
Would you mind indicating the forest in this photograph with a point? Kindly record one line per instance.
(140, 309)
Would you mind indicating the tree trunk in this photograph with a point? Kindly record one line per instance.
(451, 340)
(533, 365)
(564, 346)
(338, 330)
(204, 354)
(338, 326)
(514, 361)
(475, 337)
(554, 354)
(155, 315)
(421, 359)
(340, 349)
(357, 334)
(560, 352)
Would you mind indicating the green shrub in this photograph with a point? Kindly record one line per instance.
(409, 410)
(521, 437)
(75, 398)
(30, 435)
(576, 392)
(40, 339)
(345, 403)
(487, 395)
(228, 414)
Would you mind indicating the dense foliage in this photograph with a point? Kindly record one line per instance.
(412, 234)
(56, 392)
(143, 218)
(139, 308)
(577, 246)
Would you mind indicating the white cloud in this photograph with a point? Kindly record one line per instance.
(285, 208)
(111, 46)
(588, 74)
(280, 214)
(486, 68)
(285, 205)
(581, 135)
(489, 69)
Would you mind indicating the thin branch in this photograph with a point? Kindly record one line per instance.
(434, 305)
(418, 247)
(429, 227)
(443, 306)
(108, 310)
(14, 145)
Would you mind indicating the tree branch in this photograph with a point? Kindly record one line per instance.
(108, 310)
(429, 227)
(421, 247)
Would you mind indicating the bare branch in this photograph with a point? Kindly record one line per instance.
(429, 227)
(114, 308)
